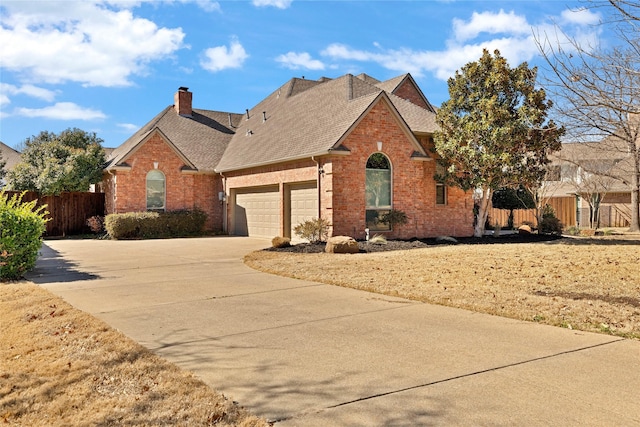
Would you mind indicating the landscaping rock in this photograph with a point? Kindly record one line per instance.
(446, 239)
(342, 245)
(524, 229)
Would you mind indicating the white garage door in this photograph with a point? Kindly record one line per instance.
(304, 203)
(257, 212)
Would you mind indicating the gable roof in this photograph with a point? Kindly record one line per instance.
(9, 155)
(291, 123)
(394, 84)
(302, 118)
(200, 139)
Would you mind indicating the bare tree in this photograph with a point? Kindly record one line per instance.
(592, 182)
(597, 90)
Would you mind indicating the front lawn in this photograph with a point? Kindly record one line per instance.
(585, 284)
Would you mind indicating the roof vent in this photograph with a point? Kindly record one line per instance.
(264, 116)
(247, 114)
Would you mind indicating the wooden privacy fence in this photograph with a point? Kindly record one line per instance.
(68, 212)
(565, 208)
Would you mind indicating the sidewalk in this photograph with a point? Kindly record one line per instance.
(306, 354)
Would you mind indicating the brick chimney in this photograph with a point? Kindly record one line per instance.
(182, 102)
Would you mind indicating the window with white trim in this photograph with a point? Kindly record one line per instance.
(378, 191)
(156, 191)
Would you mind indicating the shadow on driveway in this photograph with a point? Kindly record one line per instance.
(51, 267)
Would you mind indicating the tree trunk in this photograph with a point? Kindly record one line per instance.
(635, 202)
(483, 213)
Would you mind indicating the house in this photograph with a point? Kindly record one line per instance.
(347, 150)
(11, 158)
(585, 174)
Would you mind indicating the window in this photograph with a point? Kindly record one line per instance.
(155, 191)
(441, 189)
(378, 191)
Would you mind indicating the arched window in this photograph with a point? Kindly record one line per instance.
(378, 191)
(155, 191)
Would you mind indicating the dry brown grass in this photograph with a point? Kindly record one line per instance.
(60, 367)
(585, 284)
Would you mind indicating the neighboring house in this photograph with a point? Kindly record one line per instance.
(346, 150)
(10, 156)
(595, 171)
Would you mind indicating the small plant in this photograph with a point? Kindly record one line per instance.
(394, 217)
(280, 242)
(96, 224)
(314, 230)
(378, 239)
(550, 224)
(572, 231)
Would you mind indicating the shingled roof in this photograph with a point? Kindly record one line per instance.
(9, 155)
(302, 118)
(292, 124)
(201, 139)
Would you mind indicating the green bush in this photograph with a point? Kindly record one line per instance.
(21, 228)
(314, 230)
(549, 224)
(151, 225)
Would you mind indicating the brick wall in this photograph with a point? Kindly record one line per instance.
(126, 190)
(409, 92)
(413, 187)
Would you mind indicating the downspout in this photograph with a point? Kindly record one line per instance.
(224, 203)
(319, 169)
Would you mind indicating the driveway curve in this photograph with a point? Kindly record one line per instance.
(307, 354)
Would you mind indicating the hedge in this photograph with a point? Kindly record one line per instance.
(150, 225)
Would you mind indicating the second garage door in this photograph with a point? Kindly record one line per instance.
(257, 212)
(304, 203)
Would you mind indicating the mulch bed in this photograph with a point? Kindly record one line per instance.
(399, 245)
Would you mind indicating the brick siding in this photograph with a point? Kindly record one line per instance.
(125, 191)
(413, 186)
(409, 92)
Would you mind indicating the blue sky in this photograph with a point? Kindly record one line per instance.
(110, 66)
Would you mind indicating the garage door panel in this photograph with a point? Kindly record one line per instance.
(257, 212)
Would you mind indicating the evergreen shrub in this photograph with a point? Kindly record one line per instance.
(21, 228)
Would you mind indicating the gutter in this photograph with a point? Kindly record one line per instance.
(329, 151)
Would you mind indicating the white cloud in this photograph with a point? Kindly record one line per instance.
(508, 32)
(295, 61)
(280, 4)
(580, 16)
(62, 111)
(128, 127)
(208, 5)
(223, 57)
(490, 23)
(29, 90)
(94, 43)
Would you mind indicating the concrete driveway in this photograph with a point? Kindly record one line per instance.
(305, 354)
